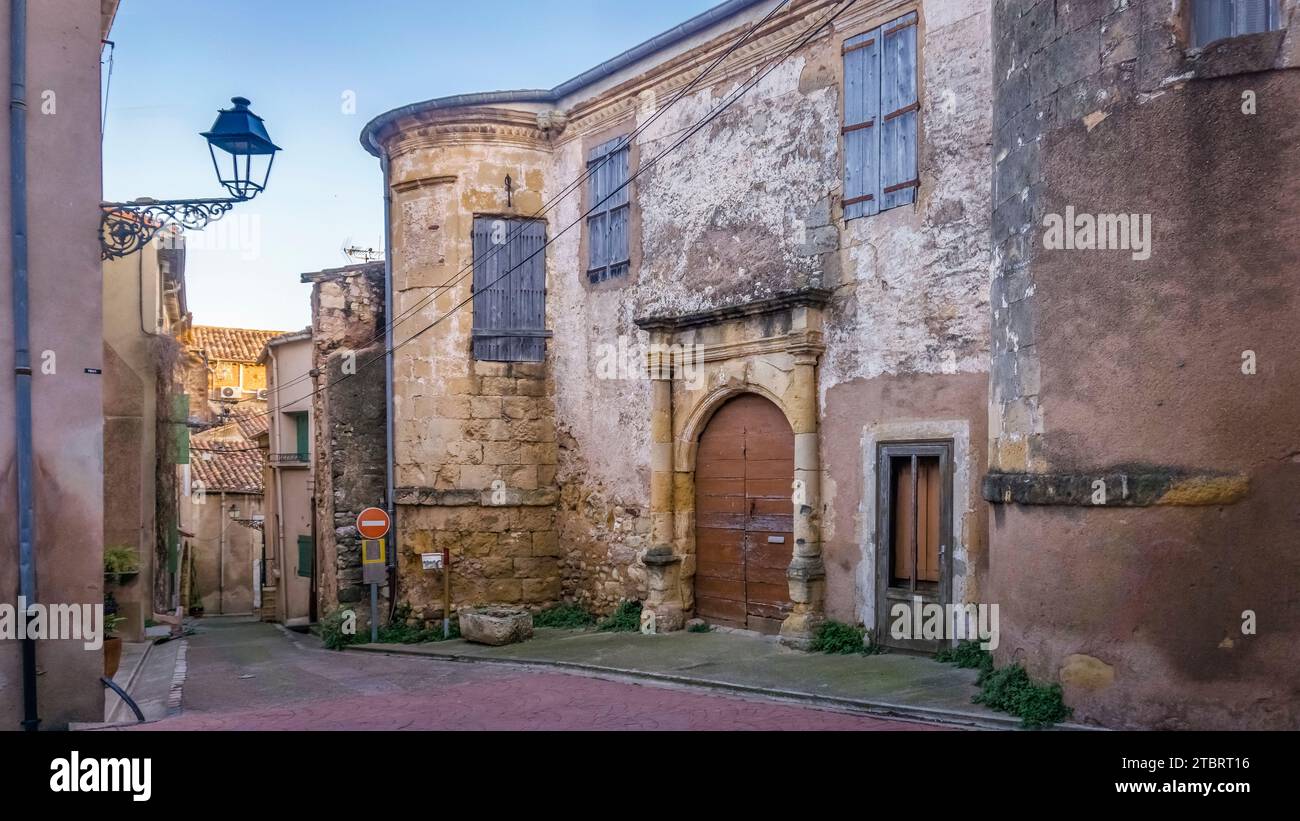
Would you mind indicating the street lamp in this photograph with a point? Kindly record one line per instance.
(242, 155)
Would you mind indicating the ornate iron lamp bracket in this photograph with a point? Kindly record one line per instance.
(126, 227)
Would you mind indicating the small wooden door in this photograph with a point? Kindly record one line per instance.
(914, 526)
(744, 516)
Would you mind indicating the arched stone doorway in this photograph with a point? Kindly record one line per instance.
(700, 362)
(744, 515)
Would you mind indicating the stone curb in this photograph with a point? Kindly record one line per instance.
(879, 709)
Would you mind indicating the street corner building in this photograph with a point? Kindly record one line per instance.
(52, 352)
(799, 348)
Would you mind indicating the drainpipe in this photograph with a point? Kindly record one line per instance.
(282, 581)
(221, 560)
(389, 336)
(22, 332)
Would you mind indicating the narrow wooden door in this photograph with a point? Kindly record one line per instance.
(744, 515)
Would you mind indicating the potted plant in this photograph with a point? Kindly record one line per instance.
(112, 641)
(120, 561)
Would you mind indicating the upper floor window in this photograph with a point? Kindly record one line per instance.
(509, 290)
(880, 118)
(607, 224)
(1215, 19)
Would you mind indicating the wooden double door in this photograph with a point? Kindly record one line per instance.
(744, 515)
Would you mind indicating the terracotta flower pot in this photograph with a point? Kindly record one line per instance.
(112, 655)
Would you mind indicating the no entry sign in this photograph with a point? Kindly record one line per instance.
(372, 523)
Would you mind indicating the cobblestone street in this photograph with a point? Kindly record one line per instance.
(246, 675)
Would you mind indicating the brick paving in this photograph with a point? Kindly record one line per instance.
(251, 676)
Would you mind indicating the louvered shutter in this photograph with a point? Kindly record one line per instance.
(610, 203)
(528, 293)
(509, 322)
(861, 129)
(1215, 19)
(899, 112)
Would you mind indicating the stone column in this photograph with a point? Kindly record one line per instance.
(806, 575)
(663, 565)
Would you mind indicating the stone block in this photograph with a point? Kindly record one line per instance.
(496, 625)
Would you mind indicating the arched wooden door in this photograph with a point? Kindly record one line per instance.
(744, 515)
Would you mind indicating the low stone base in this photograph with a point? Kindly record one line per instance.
(496, 625)
(799, 629)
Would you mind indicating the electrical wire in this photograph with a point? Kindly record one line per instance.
(802, 40)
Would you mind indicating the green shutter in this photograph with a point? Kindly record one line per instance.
(306, 556)
(304, 436)
(180, 414)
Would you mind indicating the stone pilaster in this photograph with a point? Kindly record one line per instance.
(663, 565)
(806, 575)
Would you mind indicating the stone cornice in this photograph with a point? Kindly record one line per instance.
(806, 297)
(465, 126)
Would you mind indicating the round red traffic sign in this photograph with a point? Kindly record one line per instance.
(373, 523)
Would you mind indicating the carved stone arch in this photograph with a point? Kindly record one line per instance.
(698, 419)
(769, 348)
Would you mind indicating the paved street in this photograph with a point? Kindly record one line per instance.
(249, 675)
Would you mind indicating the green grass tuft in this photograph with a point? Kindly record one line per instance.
(1010, 690)
(626, 619)
(700, 628)
(839, 639)
(564, 617)
(967, 654)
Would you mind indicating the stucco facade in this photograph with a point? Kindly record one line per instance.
(65, 311)
(1143, 409)
(145, 316)
(288, 488)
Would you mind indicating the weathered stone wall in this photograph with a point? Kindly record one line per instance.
(351, 447)
(745, 210)
(749, 208)
(1129, 369)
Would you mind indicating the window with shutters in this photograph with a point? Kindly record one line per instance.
(509, 290)
(610, 205)
(1215, 19)
(914, 519)
(881, 111)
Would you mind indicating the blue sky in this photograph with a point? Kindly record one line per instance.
(176, 62)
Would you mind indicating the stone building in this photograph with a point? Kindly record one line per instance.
(347, 329)
(813, 266)
(835, 351)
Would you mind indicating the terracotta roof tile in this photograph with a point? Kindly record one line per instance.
(252, 417)
(231, 344)
(222, 462)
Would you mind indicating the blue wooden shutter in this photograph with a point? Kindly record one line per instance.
(1211, 20)
(899, 112)
(509, 290)
(608, 195)
(861, 126)
(528, 293)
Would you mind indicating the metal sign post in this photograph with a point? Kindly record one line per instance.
(373, 524)
(446, 592)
